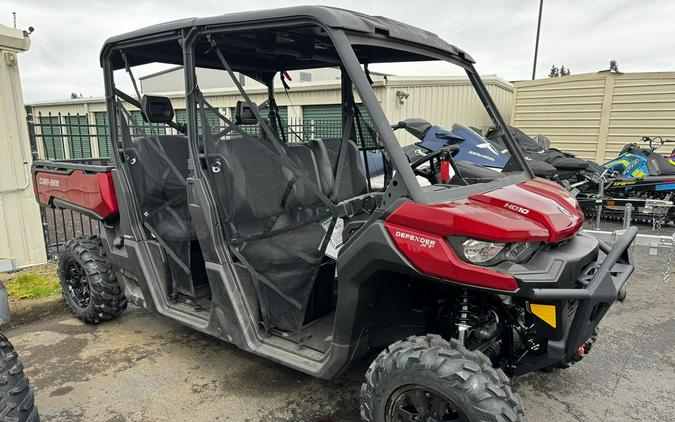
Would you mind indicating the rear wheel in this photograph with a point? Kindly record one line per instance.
(430, 379)
(17, 401)
(88, 283)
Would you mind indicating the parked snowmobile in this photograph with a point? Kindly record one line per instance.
(653, 169)
(640, 175)
(570, 171)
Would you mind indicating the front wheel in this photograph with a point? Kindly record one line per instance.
(17, 400)
(430, 379)
(88, 282)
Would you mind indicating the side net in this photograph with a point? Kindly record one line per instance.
(276, 217)
(157, 166)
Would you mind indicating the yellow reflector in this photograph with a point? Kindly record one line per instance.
(545, 312)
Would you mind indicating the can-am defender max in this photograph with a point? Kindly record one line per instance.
(289, 251)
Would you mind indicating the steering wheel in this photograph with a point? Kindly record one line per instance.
(434, 160)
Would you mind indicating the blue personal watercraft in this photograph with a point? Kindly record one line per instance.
(476, 153)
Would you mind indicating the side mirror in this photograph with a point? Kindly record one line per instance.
(243, 114)
(157, 109)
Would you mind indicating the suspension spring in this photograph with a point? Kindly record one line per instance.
(466, 314)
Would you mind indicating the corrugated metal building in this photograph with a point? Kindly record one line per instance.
(594, 115)
(442, 100)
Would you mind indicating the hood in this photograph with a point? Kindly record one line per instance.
(536, 210)
(540, 201)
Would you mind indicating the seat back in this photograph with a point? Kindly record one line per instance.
(255, 185)
(161, 166)
(353, 177)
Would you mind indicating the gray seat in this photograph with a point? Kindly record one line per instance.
(353, 177)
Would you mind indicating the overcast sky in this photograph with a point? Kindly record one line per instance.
(499, 34)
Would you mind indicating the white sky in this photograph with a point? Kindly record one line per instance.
(499, 34)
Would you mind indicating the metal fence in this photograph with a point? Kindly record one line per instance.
(83, 137)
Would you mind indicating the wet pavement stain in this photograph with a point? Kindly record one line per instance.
(61, 391)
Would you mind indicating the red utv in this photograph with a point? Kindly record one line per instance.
(287, 247)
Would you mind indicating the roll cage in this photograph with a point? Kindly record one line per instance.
(356, 40)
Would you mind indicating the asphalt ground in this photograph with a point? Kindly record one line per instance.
(142, 367)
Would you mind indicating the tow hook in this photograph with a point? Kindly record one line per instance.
(581, 351)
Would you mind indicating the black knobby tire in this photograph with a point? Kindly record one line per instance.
(465, 378)
(17, 400)
(88, 282)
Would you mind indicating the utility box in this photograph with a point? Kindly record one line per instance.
(21, 236)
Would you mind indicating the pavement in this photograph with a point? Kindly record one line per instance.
(142, 367)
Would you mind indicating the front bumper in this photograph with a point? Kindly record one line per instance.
(579, 309)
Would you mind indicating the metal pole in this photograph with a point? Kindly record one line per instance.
(536, 44)
(14, 19)
(627, 215)
(601, 195)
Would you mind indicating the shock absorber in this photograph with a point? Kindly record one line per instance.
(466, 314)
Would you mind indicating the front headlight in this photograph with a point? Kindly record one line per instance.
(480, 252)
(487, 253)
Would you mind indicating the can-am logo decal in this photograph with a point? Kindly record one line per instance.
(516, 208)
(423, 241)
(48, 182)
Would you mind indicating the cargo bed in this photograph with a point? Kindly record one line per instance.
(82, 185)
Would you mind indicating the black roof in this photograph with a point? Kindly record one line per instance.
(327, 16)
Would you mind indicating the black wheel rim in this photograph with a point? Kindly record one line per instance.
(414, 403)
(77, 284)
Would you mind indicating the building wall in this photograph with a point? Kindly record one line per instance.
(594, 115)
(173, 80)
(441, 100)
(20, 225)
(444, 101)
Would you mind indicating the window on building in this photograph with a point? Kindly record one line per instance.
(52, 137)
(77, 129)
(322, 121)
(102, 134)
(305, 77)
(325, 122)
(146, 128)
(213, 119)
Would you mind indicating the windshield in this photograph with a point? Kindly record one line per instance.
(440, 103)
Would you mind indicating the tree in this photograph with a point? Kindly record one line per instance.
(558, 71)
(613, 66)
(73, 95)
(555, 72)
